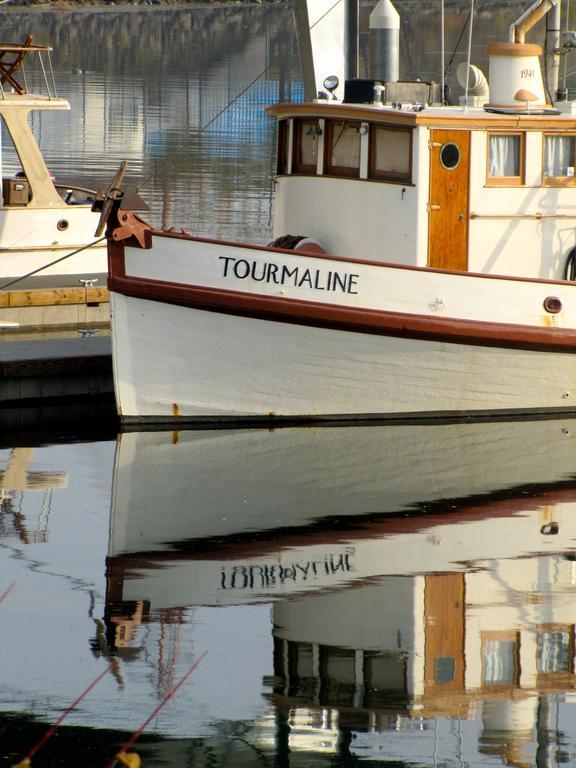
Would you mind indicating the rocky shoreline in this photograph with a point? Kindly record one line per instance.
(91, 5)
(79, 5)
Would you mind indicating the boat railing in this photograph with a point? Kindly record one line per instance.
(73, 195)
(14, 77)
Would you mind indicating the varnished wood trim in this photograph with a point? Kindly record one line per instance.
(448, 199)
(331, 129)
(282, 147)
(116, 260)
(338, 111)
(374, 174)
(507, 181)
(433, 117)
(53, 297)
(513, 49)
(558, 181)
(298, 167)
(350, 319)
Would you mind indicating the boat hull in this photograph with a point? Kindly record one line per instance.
(51, 284)
(193, 346)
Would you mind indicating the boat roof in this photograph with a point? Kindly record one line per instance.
(445, 116)
(14, 93)
(31, 101)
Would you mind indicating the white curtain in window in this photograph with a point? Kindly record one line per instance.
(392, 151)
(504, 156)
(309, 143)
(498, 662)
(345, 146)
(553, 651)
(559, 156)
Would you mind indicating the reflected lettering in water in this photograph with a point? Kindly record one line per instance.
(386, 593)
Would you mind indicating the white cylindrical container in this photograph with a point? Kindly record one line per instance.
(515, 76)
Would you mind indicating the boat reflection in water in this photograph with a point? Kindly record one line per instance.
(16, 479)
(422, 578)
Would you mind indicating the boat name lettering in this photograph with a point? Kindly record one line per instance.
(282, 274)
(266, 576)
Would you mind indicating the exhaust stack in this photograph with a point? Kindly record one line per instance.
(384, 42)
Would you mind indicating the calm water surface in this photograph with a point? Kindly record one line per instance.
(399, 596)
(392, 595)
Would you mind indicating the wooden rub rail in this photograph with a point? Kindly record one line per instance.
(56, 296)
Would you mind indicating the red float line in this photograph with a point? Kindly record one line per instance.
(7, 591)
(157, 709)
(53, 728)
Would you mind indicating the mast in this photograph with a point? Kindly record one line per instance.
(322, 28)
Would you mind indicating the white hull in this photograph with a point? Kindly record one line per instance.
(251, 515)
(421, 342)
(221, 481)
(30, 239)
(91, 261)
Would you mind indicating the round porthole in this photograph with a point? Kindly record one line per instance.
(450, 156)
(553, 305)
(62, 225)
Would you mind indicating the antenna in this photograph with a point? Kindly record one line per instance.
(469, 53)
(442, 56)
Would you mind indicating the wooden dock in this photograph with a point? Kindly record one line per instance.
(55, 301)
(54, 367)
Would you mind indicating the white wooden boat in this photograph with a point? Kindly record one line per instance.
(423, 265)
(42, 221)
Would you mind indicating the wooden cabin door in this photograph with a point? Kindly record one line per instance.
(448, 201)
(444, 613)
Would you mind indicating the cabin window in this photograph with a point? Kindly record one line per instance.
(282, 157)
(390, 156)
(500, 658)
(559, 159)
(505, 159)
(342, 147)
(555, 649)
(307, 135)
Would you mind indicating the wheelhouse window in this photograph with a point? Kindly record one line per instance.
(342, 148)
(500, 659)
(559, 159)
(505, 159)
(555, 649)
(307, 133)
(282, 156)
(390, 155)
